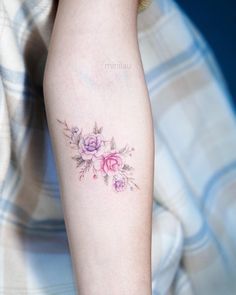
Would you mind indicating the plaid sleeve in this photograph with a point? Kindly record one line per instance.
(143, 4)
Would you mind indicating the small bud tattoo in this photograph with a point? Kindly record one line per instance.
(94, 153)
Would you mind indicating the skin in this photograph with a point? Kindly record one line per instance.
(94, 74)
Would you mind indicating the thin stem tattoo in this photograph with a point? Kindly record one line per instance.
(101, 156)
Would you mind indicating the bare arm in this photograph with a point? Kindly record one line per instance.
(100, 122)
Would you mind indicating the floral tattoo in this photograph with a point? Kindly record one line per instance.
(101, 156)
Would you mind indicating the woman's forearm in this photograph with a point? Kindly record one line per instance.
(100, 121)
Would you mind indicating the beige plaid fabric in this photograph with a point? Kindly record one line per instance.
(143, 4)
(194, 208)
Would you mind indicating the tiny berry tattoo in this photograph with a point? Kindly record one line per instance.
(101, 156)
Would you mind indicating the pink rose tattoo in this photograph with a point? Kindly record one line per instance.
(94, 153)
(111, 163)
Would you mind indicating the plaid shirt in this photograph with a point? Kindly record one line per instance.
(194, 208)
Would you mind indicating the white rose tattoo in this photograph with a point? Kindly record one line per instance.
(94, 153)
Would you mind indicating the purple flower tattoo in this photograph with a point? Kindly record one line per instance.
(94, 153)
